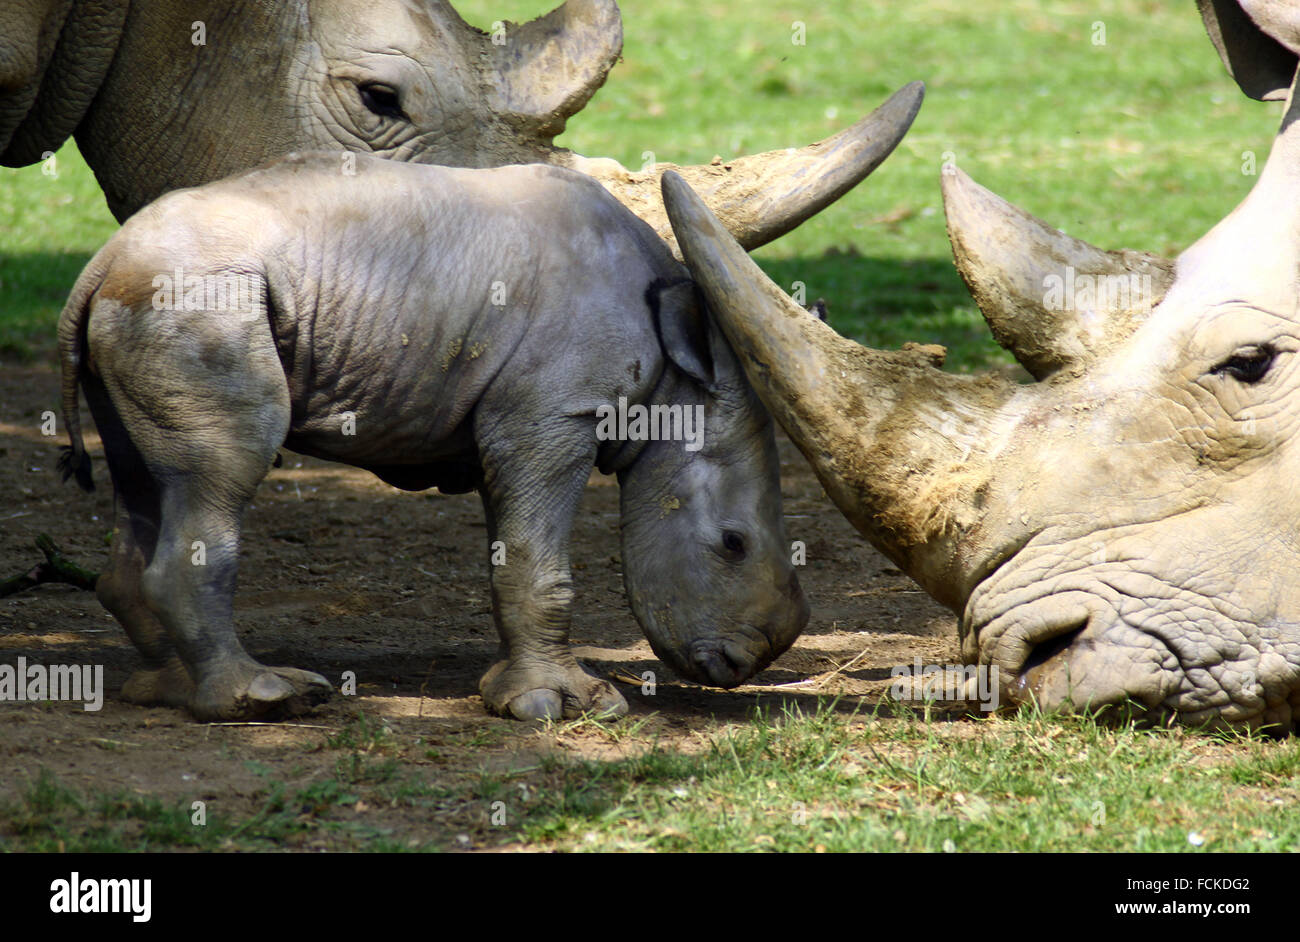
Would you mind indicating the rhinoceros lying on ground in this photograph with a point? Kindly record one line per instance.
(164, 95)
(1125, 530)
(457, 328)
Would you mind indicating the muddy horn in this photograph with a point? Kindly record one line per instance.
(897, 443)
(1054, 301)
(764, 196)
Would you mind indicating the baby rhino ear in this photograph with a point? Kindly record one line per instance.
(680, 320)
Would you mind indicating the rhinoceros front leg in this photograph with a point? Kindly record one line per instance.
(530, 493)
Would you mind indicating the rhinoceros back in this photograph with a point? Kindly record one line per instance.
(399, 293)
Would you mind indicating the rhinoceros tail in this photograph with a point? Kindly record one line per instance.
(72, 354)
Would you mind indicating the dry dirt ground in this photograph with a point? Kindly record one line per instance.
(341, 572)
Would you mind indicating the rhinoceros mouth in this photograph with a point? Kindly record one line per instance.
(1075, 651)
(722, 663)
(725, 661)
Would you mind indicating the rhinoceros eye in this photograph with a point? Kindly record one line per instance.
(1249, 364)
(733, 545)
(381, 100)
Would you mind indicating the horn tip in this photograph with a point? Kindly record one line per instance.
(679, 199)
(908, 99)
(962, 195)
(693, 223)
(954, 179)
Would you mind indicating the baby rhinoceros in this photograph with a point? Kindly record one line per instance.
(439, 327)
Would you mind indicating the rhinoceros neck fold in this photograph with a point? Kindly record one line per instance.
(176, 109)
(70, 59)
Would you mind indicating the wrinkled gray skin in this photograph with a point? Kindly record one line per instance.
(1123, 533)
(375, 302)
(405, 79)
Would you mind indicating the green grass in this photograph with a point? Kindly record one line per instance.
(1030, 783)
(291, 811)
(831, 781)
(1134, 143)
(50, 226)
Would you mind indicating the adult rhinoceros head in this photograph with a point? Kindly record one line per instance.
(1124, 530)
(165, 95)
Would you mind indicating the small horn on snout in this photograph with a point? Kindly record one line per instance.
(1054, 301)
(897, 443)
(544, 71)
(763, 196)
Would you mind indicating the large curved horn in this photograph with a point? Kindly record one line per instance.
(896, 442)
(764, 196)
(1054, 301)
(546, 70)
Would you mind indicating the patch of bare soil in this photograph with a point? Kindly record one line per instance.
(342, 573)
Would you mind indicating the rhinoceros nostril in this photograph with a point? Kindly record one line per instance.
(1044, 651)
(1045, 665)
(718, 667)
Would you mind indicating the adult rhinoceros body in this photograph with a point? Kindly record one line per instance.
(164, 95)
(444, 327)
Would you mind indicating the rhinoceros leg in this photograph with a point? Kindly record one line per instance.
(534, 476)
(190, 582)
(205, 422)
(163, 679)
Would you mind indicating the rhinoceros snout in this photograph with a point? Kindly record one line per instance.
(719, 664)
(1100, 666)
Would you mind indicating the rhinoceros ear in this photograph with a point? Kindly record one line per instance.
(1260, 63)
(547, 69)
(682, 323)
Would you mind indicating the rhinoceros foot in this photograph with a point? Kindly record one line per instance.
(245, 690)
(169, 685)
(531, 690)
